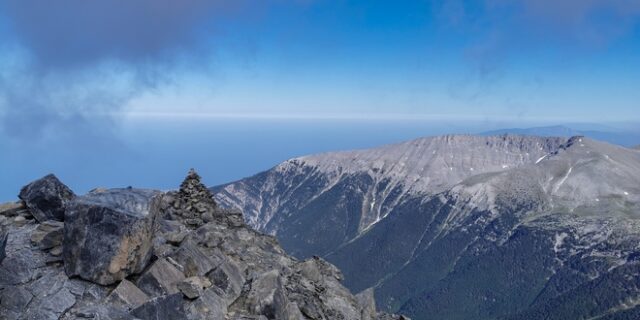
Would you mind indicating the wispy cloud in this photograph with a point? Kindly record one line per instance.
(65, 61)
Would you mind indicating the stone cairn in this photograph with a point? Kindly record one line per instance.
(193, 204)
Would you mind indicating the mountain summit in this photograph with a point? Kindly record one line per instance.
(143, 254)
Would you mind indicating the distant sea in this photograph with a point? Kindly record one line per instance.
(158, 152)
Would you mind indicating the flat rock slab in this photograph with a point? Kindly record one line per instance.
(126, 293)
(46, 198)
(167, 307)
(160, 279)
(108, 235)
(48, 234)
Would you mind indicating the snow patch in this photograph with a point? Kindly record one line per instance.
(559, 241)
(540, 159)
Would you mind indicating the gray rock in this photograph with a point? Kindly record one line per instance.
(51, 306)
(191, 287)
(48, 234)
(208, 306)
(46, 198)
(194, 260)
(229, 279)
(168, 307)
(14, 300)
(3, 244)
(101, 229)
(11, 209)
(108, 235)
(128, 294)
(160, 279)
(19, 221)
(367, 301)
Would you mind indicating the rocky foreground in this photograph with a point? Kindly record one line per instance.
(144, 254)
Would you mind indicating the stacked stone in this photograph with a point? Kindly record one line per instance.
(193, 204)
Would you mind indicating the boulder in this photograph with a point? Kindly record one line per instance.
(194, 260)
(191, 287)
(127, 294)
(229, 279)
(109, 235)
(160, 279)
(48, 234)
(46, 198)
(265, 295)
(168, 307)
(208, 306)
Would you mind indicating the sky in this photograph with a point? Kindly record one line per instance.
(69, 60)
(75, 74)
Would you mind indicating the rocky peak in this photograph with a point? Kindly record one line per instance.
(142, 254)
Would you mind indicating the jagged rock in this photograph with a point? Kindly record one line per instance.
(367, 302)
(3, 244)
(191, 287)
(128, 294)
(11, 209)
(48, 234)
(168, 307)
(194, 260)
(264, 295)
(160, 279)
(233, 272)
(173, 232)
(46, 198)
(108, 235)
(208, 306)
(229, 279)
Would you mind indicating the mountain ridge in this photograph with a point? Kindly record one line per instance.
(574, 203)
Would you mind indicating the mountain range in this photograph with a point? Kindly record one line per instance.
(626, 138)
(465, 227)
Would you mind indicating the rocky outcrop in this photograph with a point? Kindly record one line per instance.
(109, 235)
(141, 254)
(46, 198)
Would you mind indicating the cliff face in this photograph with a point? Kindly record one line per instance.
(143, 254)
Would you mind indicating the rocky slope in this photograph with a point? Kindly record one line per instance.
(351, 191)
(553, 235)
(143, 254)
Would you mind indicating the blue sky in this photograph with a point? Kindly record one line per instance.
(135, 92)
(575, 60)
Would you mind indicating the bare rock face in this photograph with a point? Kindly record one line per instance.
(46, 198)
(108, 235)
